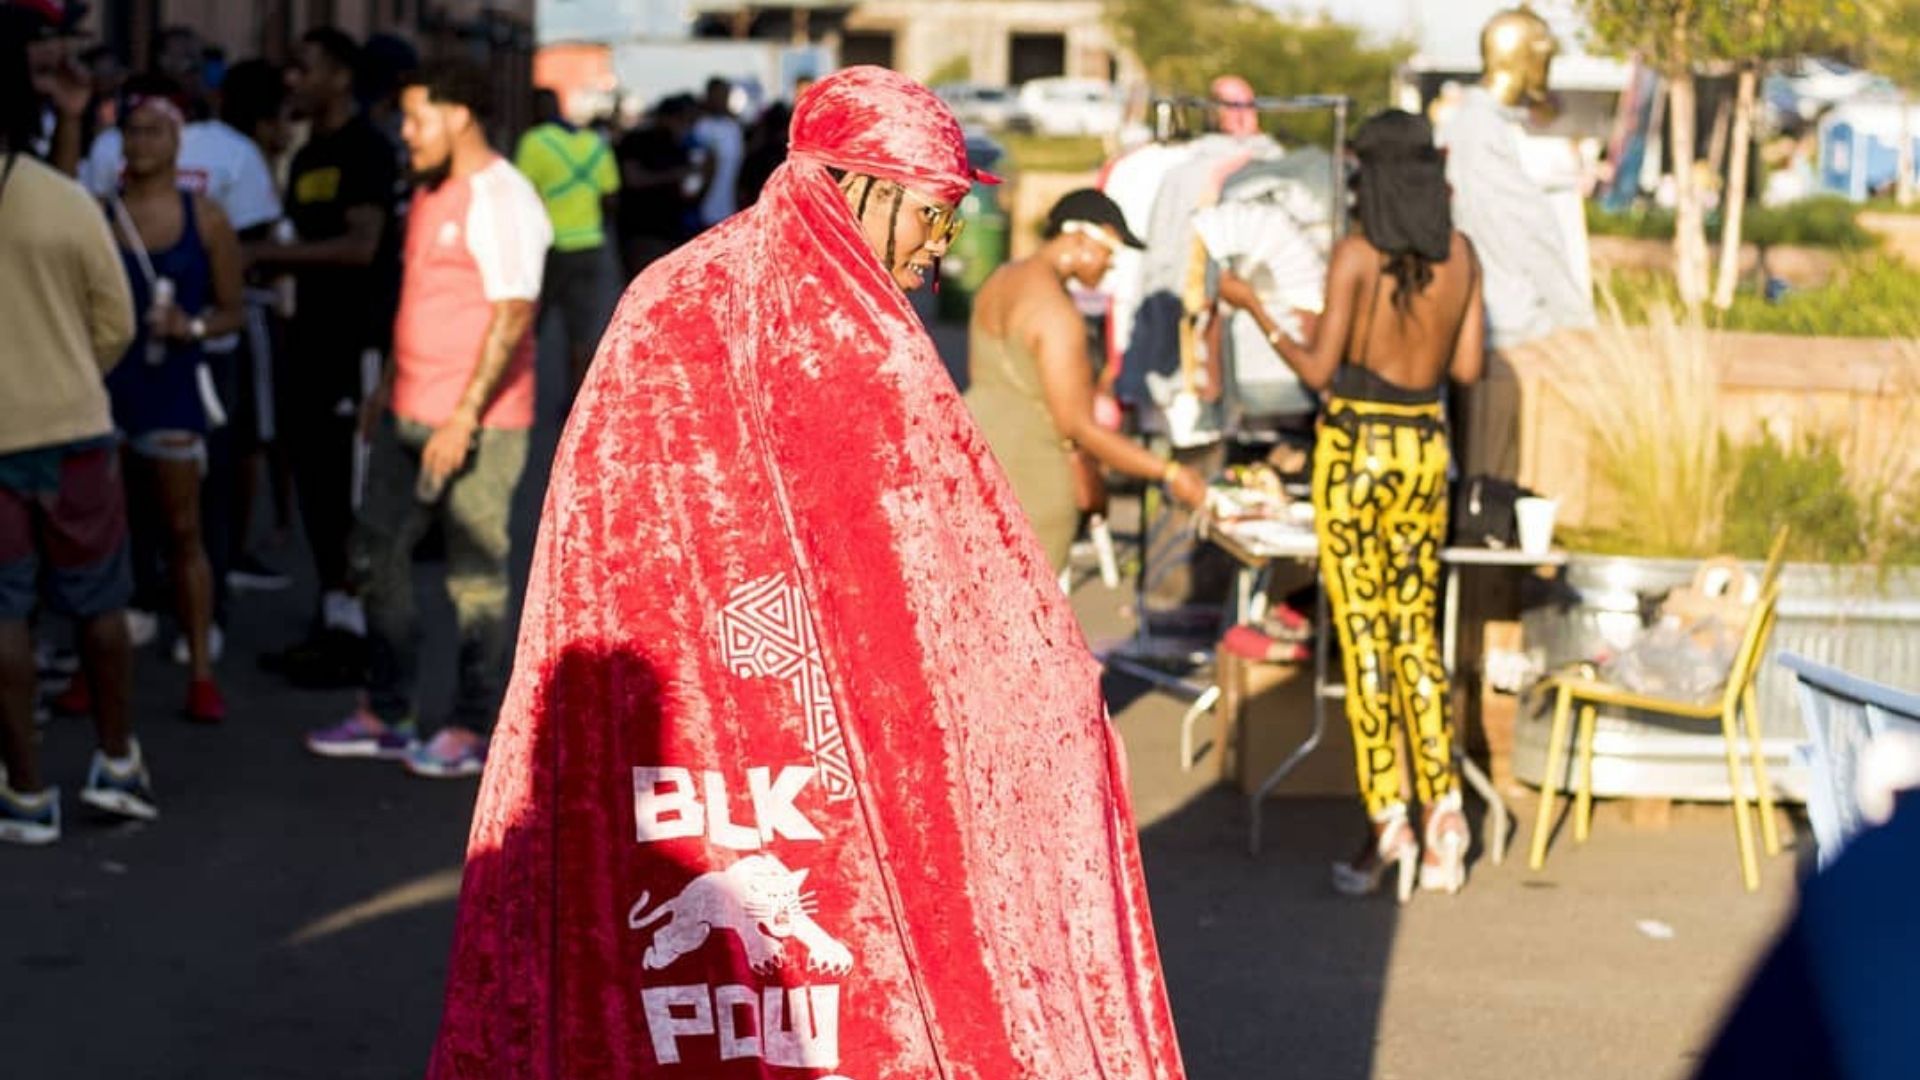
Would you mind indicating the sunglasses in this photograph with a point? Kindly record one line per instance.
(944, 223)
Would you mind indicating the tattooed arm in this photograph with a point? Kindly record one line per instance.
(447, 450)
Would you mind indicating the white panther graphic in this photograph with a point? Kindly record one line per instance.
(757, 898)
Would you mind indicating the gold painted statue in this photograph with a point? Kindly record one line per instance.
(1517, 195)
(1516, 53)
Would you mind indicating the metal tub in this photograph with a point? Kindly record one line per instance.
(1859, 619)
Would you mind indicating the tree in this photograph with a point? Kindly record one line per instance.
(1185, 44)
(1669, 35)
(1751, 34)
(957, 68)
(1679, 37)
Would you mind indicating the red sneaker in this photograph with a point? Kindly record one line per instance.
(205, 703)
(76, 699)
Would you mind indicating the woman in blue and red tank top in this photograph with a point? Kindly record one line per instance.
(184, 263)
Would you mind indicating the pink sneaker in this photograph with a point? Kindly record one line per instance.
(363, 735)
(450, 755)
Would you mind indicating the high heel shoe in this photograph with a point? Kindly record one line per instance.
(1444, 866)
(1394, 847)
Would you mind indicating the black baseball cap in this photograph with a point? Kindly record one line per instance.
(1094, 208)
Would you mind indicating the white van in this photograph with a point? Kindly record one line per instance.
(1071, 106)
(990, 107)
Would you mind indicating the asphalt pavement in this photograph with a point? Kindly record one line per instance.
(289, 917)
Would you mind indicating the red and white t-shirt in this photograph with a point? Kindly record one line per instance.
(471, 243)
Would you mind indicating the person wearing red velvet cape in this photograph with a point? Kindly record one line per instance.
(804, 772)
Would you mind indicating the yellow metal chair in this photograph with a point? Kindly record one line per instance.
(1736, 702)
(1776, 559)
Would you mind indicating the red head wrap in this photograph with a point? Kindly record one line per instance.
(879, 122)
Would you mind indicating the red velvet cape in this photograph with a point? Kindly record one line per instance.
(804, 771)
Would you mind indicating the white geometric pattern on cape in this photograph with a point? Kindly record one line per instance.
(766, 632)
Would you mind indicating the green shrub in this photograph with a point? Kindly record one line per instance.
(1825, 221)
(957, 68)
(1871, 297)
(1640, 223)
(1680, 488)
(1048, 153)
(1803, 486)
(1900, 526)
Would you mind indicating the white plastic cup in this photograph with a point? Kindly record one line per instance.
(163, 295)
(1534, 516)
(285, 233)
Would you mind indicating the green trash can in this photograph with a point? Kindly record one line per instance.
(979, 251)
(983, 246)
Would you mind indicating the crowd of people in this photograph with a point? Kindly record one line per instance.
(314, 287)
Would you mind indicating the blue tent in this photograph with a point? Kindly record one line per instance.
(1860, 146)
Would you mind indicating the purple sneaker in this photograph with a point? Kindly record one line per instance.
(363, 735)
(450, 755)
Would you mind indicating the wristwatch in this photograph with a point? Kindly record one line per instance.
(197, 327)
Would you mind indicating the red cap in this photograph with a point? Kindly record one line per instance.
(54, 12)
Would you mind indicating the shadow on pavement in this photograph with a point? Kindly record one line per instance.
(1272, 973)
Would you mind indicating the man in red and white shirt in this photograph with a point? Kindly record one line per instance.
(449, 427)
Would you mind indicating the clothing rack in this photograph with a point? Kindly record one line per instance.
(1144, 655)
(1169, 114)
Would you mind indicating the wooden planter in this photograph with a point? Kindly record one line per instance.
(1789, 385)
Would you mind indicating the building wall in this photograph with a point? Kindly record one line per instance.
(608, 22)
(498, 34)
(928, 34)
(265, 27)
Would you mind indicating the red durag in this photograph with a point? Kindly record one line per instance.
(804, 772)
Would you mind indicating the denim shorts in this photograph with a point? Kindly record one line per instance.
(67, 544)
(170, 445)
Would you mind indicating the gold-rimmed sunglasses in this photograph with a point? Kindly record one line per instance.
(944, 223)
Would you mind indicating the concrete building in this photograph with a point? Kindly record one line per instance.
(995, 42)
(608, 22)
(268, 27)
(497, 34)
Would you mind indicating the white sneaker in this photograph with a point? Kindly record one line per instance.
(29, 819)
(121, 788)
(142, 627)
(51, 660)
(338, 611)
(216, 644)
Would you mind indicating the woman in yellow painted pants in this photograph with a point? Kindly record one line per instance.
(1403, 315)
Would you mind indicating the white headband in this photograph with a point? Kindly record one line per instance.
(1096, 233)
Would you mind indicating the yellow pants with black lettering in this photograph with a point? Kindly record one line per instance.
(1380, 503)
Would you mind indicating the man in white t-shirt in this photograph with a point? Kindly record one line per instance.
(718, 133)
(215, 161)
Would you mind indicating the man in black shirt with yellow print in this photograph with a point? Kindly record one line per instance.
(341, 194)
